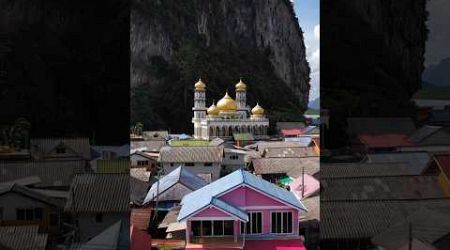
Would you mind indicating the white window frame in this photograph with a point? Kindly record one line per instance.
(212, 229)
(243, 230)
(282, 226)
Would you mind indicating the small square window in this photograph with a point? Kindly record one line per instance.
(38, 213)
(60, 150)
(189, 164)
(99, 218)
(208, 164)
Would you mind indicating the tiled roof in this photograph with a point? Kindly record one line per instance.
(381, 188)
(366, 219)
(291, 166)
(417, 161)
(216, 142)
(351, 170)
(291, 131)
(289, 152)
(113, 166)
(149, 146)
(197, 200)
(23, 237)
(44, 146)
(280, 144)
(191, 154)
(313, 205)
(99, 193)
(379, 125)
(179, 175)
(385, 140)
(303, 141)
(51, 173)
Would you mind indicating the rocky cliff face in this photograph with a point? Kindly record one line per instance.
(260, 41)
(373, 59)
(64, 67)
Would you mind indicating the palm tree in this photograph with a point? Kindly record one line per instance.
(17, 135)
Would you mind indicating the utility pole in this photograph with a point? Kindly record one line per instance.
(303, 182)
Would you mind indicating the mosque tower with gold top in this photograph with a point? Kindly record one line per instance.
(228, 116)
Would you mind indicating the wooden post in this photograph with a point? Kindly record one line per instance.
(235, 231)
(188, 231)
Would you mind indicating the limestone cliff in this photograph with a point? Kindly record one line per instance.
(373, 54)
(173, 42)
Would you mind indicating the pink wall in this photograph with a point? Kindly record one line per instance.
(247, 197)
(211, 212)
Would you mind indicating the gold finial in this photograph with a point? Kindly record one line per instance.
(241, 86)
(200, 85)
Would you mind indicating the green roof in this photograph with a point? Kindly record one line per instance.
(113, 166)
(433, 94)
(243, 137)
(189, 143)
(312, 112)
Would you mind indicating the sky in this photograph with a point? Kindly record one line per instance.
(308, 14)
(438, 43)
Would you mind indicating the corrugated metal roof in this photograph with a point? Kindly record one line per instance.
(203, 197)
(51, 173)
(140, 217)
(191, 154)
(113, 166)
(351, 170)
(290, 152)
(243, 137)
(416, 161)
(426, 224)
(149, 146)
(121, 151)
(439, 137)
(303, 141)
(15, 188)
(80, 145)
(379, 125)
(291, 166)
(23, 237)
(365, 219)
(230, 209)
(385, 140)
(261, 146)
(108, 239)
(381, 188)
(99, 193)
(179, 175)
(423, 132)
(443, 161)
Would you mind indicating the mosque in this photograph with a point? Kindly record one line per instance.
(228, 116)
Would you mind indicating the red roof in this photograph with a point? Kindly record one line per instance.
(444, 163)
(139, 240)
(385, 140)
(291, 132)
(140, 217)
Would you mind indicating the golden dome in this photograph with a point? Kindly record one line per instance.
(200, 85)
(213, 110)
(226, 103)
(257, 110)
(240, 86)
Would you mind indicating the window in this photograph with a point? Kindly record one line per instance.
(189, 164)
(207, 164)
(99, 218)
(1, 213)
(60, 150)
(254, 225)
(53, 219)
(142, 163)
(282, 222)
(212, 228)
(171, 164)
(234, 157)
(29, 214)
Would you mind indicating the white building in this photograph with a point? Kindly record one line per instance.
(228, 116)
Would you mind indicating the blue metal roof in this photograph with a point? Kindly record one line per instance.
(230, 209)
(204, 196)
(181, 175)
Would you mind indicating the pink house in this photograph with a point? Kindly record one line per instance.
(238, 210)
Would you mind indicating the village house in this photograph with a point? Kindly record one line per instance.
(98, 201)
(60, 148)
(143, 159)
(174, 186)
(277, 168)
(199, 160)
(240, 210)
(233, 159)
(20, 205)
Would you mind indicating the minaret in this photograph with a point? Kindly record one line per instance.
(241, 99)
(199, 107)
